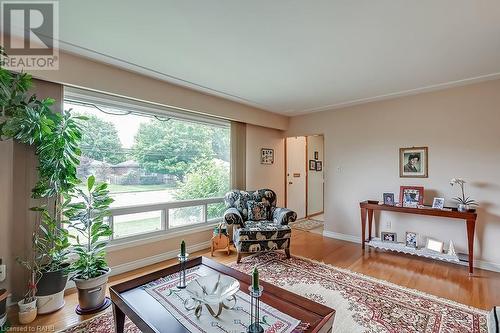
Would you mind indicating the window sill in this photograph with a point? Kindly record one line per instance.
(142, 239)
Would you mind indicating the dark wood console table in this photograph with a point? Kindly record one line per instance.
(369, 206)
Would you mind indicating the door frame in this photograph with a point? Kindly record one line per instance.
(307, 171)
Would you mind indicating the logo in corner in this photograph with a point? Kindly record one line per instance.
(30, 35)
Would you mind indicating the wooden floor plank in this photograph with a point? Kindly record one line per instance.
(445, 280)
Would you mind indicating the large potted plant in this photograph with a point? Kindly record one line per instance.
(55, 137)
(87, 216)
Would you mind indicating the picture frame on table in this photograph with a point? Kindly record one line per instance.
(312, 165)
(266, 156)
(411, 239)
(434, 245)
(319, 166)
(389, 199)
(389, 237)
(411, 196)
(438, 203)
(413, 162)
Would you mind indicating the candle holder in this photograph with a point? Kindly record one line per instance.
(255, 295)
(182, 272)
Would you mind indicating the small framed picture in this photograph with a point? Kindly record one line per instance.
(438, 203)
(312, 165)
(316, 155)
(266, 156)
(389, 199)
(434, 245)
(411, 196)
(319, 166)
(411, 239)
(413, 162)
(390, 237)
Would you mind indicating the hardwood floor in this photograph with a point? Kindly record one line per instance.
(450, 281)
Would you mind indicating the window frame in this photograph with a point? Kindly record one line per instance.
(79, 96)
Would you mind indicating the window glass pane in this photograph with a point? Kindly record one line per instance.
(149, 160)
(83, 240)
(133, 224)
(215, 210)
(181, 217)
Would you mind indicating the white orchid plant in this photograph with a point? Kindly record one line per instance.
(462, 200)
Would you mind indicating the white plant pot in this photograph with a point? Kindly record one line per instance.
(25, 307)
(27, 312)
(50, 303)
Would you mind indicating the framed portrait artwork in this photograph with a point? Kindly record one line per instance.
(319, 166)
(389, 237)
(316, 155)
(266, 156)
(411, 196)
(438, 203)
(389, 199)
(413, 162)
(411, 239)
(312, 165)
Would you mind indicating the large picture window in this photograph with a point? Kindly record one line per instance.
(164, 172)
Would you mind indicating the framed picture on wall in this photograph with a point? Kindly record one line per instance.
(319, 166)
(411, 196)
(413, 162)
(316, 155)
(312, 165)
(266, 156)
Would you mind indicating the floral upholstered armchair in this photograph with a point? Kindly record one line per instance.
(258, 224)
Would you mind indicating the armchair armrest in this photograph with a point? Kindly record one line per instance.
(233, 216)
(284, 216)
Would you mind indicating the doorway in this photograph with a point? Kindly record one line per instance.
(304, 175)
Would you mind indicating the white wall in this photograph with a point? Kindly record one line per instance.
(315, 178)
(461, 127)
(263, 175)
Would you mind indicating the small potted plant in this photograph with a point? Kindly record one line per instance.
(27, 306)
(91, 271)
(464, 203)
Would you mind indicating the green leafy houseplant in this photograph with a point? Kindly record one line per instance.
(55, 137)
(87, 216)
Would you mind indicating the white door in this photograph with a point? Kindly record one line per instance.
(296, 175)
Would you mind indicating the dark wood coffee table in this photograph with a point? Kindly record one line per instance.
(150, 316)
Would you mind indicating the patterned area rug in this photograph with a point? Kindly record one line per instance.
(307, 224)
(362, 303)
(365, 304)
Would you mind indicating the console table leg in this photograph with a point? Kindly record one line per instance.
(471, 226)
(119, 319)
(370, 222)
(363, 227)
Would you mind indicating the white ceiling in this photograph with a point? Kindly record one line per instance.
(288, 56)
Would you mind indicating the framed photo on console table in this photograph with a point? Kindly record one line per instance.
(413, 162)
(411, 196)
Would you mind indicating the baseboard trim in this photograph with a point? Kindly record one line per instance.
(486, 265)
(140, 263)
(344, 237)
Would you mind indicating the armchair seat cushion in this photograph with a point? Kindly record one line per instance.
(262, 230)
(258, 236)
